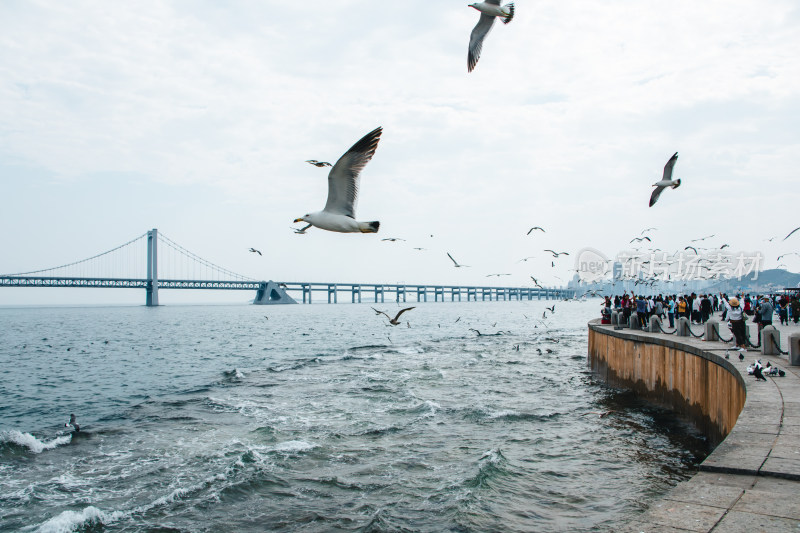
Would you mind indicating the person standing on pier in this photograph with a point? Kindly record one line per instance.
(671, 311)
(736, 318)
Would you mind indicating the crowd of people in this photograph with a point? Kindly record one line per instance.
(699, 308)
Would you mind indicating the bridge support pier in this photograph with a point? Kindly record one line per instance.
(151, 299)
(270, 293)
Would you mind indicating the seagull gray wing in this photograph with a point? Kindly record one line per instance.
(344, 176)
(668, 168)
(476, 39)
(790, 234)
(656, 193)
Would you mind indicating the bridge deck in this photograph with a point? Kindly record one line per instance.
(306, 288)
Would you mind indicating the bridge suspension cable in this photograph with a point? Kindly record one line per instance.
(82, 262)
(215, 269)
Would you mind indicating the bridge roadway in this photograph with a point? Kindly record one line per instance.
(472, 293)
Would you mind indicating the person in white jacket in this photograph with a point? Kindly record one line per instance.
(736, 318)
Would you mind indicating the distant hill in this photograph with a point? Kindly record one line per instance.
(778, 278)
(767, 280)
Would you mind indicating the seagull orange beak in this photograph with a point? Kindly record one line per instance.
(299, 220)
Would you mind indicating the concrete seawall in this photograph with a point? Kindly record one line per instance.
(751, 480)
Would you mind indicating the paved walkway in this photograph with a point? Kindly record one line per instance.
(751, 481)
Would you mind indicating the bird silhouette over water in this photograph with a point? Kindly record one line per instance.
(533, 228)
(393, 321)
(255, 251)
(73, 423)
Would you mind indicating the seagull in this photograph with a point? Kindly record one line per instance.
(646, 230)
(455, 262)
(498, 275)
(489, 11)
(791, 232)
(724, 246)
(666, 180)
(339, 213)
(702, 238)
(393, 239)
(526, 258)
(551, 309)
(318, 163)
(691, 248)
(556, 254)
(301, 231)
(255, 251)
(640, 239)
(536, 282)
(784, 255)
(72, 423)
(533, 228)
(421, 249)
(393, 321)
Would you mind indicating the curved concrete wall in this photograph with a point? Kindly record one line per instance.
(691, 381)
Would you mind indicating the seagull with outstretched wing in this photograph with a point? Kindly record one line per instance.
(396, 320)
(339, 213)
(666, 180)
(456, 263)
(490, 10)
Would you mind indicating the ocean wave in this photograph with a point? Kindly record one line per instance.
(34, 445)
(293, 446)
(72, 520)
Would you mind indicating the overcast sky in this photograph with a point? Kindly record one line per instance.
(196, 118)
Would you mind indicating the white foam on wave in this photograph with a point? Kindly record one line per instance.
(292, 446)
(32, 443)
(71, 520)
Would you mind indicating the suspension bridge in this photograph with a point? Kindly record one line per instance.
(171, 266)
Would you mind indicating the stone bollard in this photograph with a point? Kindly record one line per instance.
(794, 349)
(614, 318)
(712, 330)
(770, 341)
(683, 327)
(655, 324)
(634, 321)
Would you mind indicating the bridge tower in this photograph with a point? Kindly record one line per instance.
(152, 268)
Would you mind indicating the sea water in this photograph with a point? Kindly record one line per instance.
(479, 416)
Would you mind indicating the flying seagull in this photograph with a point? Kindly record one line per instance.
(455, 262)
(339, 213)
(691, 248)
(318, 163)
(666, 180)
(556, 254)
(533, 228)
(640, 239)
(302, 231)
(255, 251)
(489, 11)
(393, 321)
(393, 239)
(498, 275)
(702, 238)
(526, 258)
(646, 230)
(72, 423)
(790, 233)
(536, 283)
